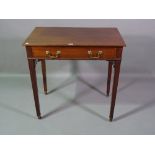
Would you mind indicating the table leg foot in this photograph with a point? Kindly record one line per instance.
(45, 92)
(110, 119)
(107, 95)
(39, 117)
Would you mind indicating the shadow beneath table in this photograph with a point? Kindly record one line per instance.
(62, 85)
(58, 109)
(71, 80)
(145, 106)
(73, 102)
(127, 85)
(93, 112)
(10, 108)
(91, 86)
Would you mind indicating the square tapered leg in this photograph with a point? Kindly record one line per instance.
(43, 66)
(117, 64)
(31, 63)
(109, 76)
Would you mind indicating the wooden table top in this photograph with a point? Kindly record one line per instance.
(69, 36)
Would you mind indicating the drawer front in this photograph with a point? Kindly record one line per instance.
(70, 53)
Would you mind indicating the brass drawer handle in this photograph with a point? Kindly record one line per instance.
(99, 53)
(48, 54)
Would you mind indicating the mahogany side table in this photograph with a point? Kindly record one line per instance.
(68, 43)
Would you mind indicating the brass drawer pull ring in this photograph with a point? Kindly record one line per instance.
(48, 54)
(99, 54)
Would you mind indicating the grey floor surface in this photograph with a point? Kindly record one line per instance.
(77, 106)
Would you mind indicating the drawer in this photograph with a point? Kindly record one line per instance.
(70, 53)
